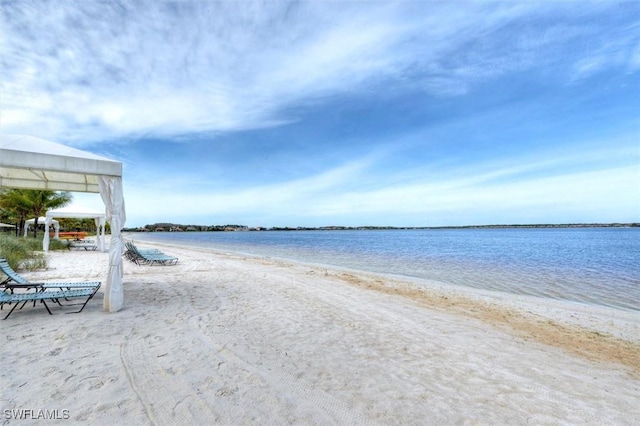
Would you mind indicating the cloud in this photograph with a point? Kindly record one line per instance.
(619, 50)
(96, 70)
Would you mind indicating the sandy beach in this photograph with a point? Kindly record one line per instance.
(227, 339)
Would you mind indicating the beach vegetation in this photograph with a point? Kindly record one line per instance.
(21, 252)
(25, 253)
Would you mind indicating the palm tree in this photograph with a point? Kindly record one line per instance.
(13, 205)
(33, 201)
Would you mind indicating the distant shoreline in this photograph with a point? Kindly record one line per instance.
(171, 227)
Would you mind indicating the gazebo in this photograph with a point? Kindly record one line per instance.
(41, 221)
(33, 163)
(6, 226)
(75, 212)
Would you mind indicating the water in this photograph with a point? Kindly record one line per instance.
(599, 266)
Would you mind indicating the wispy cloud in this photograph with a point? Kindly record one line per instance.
(96, 70)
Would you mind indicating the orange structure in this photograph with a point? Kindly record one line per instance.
(71, 235)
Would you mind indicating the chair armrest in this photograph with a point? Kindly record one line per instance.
(37, 286)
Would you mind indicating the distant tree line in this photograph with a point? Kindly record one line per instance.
(172, 227)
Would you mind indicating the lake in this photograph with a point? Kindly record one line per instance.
(599, 266)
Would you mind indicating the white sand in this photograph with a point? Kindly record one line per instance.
(232, 340)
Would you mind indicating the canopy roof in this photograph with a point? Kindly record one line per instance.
(41, 221)
(75, 211)
(34, 163)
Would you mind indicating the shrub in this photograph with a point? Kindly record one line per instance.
(26, 252)
(14, 250)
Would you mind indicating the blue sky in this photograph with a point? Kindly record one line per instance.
(408, 113)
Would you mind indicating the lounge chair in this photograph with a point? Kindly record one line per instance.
(14, 279)
(40, 294)
(133, 249)
(85, 244)
(148, 257)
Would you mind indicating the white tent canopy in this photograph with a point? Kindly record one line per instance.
(41, 221)
(76, 212)
(33, 163)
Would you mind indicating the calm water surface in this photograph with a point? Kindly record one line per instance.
(590, 265)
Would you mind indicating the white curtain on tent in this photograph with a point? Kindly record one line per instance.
(100, 230)
(45, 240)
(112, 195)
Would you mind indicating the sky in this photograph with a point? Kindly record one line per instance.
(354, 113)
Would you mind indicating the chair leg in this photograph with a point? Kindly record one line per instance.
(15, 305)
(85, 302)
(45, 305)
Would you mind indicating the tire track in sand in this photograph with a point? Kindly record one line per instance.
(298, 396)
(175, 389)
(156, 390)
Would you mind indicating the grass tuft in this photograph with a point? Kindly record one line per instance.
(26, 253)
